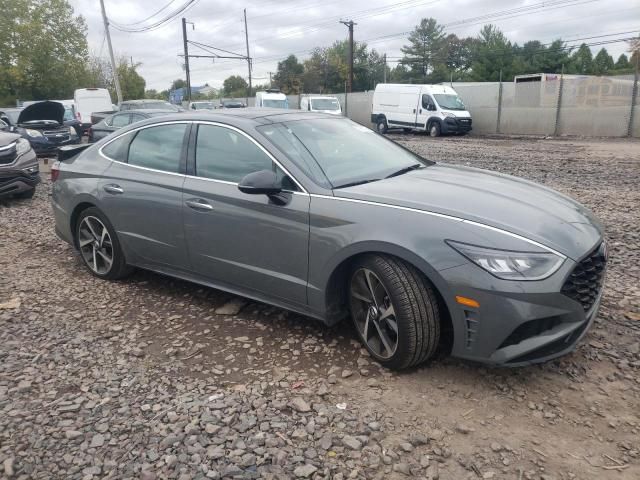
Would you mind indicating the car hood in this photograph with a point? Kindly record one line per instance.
(494, 199)
(42, 111)
(8, 138)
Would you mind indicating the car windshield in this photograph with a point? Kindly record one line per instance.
(325, 104)
(274, 103)
(12, 115)
(449, 101)
(68, 113)
(346, 153)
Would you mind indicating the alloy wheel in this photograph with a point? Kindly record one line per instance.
(95, 245)
(373, 313)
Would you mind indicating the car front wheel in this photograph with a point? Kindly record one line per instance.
(99, 246)
(381, 126)
(434, 131)
(394, 310)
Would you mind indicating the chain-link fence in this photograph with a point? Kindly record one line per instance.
(556, 105)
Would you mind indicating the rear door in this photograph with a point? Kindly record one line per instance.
(141, 193)
(238, 240)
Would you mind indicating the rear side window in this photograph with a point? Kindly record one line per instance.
(117, 149)
(224, 154)
(120, 120)
(158, 147)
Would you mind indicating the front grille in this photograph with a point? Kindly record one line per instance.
(585, 281)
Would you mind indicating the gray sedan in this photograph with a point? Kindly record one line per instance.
(325, 217)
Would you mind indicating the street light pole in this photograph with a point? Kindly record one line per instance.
(186, 57)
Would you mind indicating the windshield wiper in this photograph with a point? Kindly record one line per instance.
(405, 170)
(358, 182)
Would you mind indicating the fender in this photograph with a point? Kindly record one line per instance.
(320, 296)
(432, 119)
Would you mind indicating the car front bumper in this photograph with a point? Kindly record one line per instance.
(17, 181)
(517, 323)
(456, 125)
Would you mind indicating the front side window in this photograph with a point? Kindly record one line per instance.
(427, 102)
(158, 147)
(225, 154)
(120, 120)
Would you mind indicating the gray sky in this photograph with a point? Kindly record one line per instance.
(280, 27)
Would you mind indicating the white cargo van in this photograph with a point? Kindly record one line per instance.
(89, 100)
(436, 109)
(321, 103)
(271, 98)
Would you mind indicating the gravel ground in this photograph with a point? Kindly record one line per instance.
(157, 378)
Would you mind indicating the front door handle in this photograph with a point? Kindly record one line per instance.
(114, 189)
(414, 110)
(199, 204)
(420, 110)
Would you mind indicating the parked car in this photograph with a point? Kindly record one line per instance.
(321, 103)
(19, 172)
(271, 98)
(232, 104)
(122, 119)
(42, 124)
(202, 105)
(90, 100)
(436, 109)
(322, 216)
(10, 116)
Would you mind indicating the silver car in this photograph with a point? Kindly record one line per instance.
(322, 216)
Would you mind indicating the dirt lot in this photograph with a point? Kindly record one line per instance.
(157, 378)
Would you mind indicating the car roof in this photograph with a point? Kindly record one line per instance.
(241, 116)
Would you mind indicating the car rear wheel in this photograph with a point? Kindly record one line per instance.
(434, 130)
(394, 310)
(381, 126)
(99, 246)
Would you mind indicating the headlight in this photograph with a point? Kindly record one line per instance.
(72, 131)
(22, 146)
(510, 265)
(33, 133)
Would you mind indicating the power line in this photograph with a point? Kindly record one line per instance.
(182, 9)
(149, 17)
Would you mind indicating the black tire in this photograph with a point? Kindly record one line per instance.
(381, 126)
(26, 194)
(434, 129)
(119, 268)
(414, 303)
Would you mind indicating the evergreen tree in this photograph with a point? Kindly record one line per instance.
(424, 49)
(603, 62)
(581, 61)
(492, 53)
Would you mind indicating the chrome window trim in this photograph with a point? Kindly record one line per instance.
(206, 122)
(172, 122)
(255, 142)
(448, 217)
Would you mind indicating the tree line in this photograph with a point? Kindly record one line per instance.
(44, 55)
(432, 56)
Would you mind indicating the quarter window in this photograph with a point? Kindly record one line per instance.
(117, 149)
(224, 154)
(158, 147)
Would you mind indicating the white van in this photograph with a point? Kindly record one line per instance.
(436, 109)
(321, 103)
(271, 98)
(89, 100)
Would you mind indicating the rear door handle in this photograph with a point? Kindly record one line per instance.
(414, 110)
(199, 204)
(115, 189)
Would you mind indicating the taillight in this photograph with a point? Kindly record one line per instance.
(55, 172)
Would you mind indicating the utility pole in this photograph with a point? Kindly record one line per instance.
(350, 25)
(116, 80)
(270, 81)
(384, 74)
(246, 37)
(186, 57)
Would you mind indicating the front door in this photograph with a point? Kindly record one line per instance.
(425, 109)
(243, 241)
(141, 194)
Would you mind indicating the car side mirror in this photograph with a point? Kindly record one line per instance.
(264, 182)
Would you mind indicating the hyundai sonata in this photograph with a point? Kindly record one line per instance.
(322, 216)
